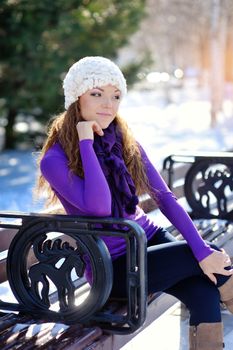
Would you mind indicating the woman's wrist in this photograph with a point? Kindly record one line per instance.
(86, 142)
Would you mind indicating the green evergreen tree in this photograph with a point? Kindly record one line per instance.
(39, 40)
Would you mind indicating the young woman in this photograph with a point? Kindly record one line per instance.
(103, 170)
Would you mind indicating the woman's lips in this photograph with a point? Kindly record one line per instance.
(104, 114)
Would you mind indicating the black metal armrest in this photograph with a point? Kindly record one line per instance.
(208, 185)
(46, 265)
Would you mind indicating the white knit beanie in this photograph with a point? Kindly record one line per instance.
(88, 73)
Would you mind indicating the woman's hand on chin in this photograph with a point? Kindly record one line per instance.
(86, 130)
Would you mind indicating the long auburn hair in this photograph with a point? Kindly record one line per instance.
(63, 127)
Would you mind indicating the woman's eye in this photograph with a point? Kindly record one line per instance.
(95, 94)
(99, 94)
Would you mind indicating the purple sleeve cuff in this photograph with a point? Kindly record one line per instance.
(203, 253)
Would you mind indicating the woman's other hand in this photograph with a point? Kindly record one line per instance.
(86, 130)
(216, 263)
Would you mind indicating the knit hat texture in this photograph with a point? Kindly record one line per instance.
(88, 73)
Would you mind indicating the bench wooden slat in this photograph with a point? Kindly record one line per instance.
(33, 334)
(6, 236)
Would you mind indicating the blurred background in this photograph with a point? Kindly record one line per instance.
(177, 56)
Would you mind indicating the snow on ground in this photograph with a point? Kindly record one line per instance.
(161, 129)
(17, 179)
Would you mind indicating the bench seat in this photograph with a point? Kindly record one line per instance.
(21, 331)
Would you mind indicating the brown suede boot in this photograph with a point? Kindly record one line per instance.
(206, 336)
(226, 294)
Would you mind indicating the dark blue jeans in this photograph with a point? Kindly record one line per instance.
(173, 269)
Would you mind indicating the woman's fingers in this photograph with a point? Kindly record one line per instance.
(216, 263)
(212, 277)
(86, 129)
(97, 129)
(226, 270)
(227, 261)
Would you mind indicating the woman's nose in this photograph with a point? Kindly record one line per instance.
(107, 102)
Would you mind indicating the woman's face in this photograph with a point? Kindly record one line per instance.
(100, 104)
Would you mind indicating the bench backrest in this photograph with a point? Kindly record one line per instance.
(207, 185)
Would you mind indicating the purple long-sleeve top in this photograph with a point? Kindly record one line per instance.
(91, 196)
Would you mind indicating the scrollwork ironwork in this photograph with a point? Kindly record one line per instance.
(54, 261)
(209, 188)
(49, 254)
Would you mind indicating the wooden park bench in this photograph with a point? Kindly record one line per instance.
(43, 259)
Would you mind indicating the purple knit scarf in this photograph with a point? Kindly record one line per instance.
(108, 149)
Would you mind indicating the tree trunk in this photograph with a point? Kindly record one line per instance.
(217, 56)
(9, 130)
